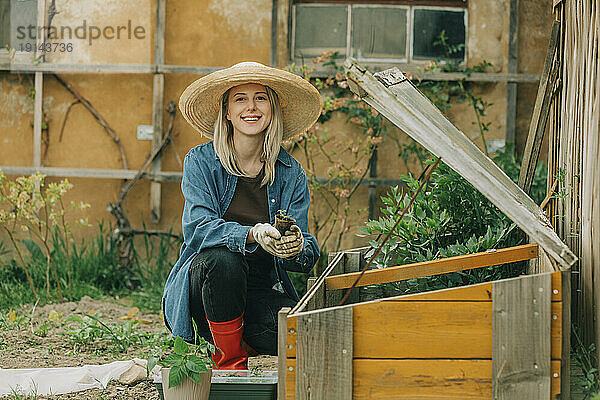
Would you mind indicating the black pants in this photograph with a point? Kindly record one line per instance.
(220, 290)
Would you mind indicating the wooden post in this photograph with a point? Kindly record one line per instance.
(157, 107)
(511, 87)
(282, 351)
(38, 111)
(521, 338)
(537, 127)
(324, 350)
(274, 34)
(37, 120)
(157, 131)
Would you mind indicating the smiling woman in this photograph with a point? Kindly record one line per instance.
(231, 277)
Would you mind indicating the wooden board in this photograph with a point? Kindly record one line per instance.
(407, 108)
(565, 368)
(422, 329)
(521, 340)
(435, 267)
(157, 137)
(421, 379)
(281, 350)
(477, 292)
(317, 300)
(324, 366)
(37, 119)
(537, 126)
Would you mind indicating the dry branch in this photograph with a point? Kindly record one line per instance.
(96, 115)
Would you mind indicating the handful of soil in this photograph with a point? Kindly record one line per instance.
(283, 222)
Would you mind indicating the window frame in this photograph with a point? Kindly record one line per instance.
(26, 57)
(408, 59)
(436, 8)
(350, 49)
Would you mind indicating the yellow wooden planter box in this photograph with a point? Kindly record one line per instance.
(505, 339)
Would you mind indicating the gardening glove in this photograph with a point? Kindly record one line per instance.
(267, 236)
(291, 243)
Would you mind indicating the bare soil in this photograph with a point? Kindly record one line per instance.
(23, 345)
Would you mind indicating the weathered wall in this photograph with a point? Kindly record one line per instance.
(221, 33)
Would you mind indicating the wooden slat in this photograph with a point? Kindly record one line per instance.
(401, 103)
(157, 136)
(477, 292)
(537, 126)
(338, 258)
(324, 355)
(317, 301)
(332, 298)
(349, 264)
(435, 267)
(281, 351)
(511, 87)
(91, 173)
(521, 339)
(37, 119)
(565, 370)
(427, 329)
(422, 379)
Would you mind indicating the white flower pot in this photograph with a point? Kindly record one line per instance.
(188, 389)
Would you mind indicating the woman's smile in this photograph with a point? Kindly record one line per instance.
(249, 109)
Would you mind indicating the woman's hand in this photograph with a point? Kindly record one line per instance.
(291, 243)
(267, 236)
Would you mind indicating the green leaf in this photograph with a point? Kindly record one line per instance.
(181, 347)
(175, 376)
(173, 360)
(196, 377)
(193, 366)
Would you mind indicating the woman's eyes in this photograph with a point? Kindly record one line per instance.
(261, 97)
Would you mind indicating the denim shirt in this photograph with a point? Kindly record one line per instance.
(208, 189)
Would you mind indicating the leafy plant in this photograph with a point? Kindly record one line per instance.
(188, 360)
(584, 357)
(451, 218)
(28, 205)
(92, 329)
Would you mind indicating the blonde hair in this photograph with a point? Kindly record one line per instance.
(223, 139)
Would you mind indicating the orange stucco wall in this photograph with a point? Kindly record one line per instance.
(221, 33)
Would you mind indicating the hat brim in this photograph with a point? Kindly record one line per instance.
(300, 101)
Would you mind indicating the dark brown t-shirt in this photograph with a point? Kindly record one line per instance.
(248, 207)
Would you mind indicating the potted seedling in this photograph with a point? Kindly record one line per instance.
(283, 222)
(187, 373)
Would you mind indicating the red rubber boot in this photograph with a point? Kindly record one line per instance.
(227, 336)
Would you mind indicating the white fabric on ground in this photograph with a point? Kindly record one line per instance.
(45, 381)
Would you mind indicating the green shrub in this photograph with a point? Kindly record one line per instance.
(447, 219)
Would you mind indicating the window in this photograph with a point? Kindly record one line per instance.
(18, 21)
(400, 33)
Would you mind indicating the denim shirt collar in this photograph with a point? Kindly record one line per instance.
(283, 157)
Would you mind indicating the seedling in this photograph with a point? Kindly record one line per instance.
(283, 221)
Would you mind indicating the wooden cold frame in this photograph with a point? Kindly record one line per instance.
(399, 101)
(440, 343)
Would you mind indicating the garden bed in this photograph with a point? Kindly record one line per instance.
(44, 337)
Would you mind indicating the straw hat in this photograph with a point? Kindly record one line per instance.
(300, 101)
